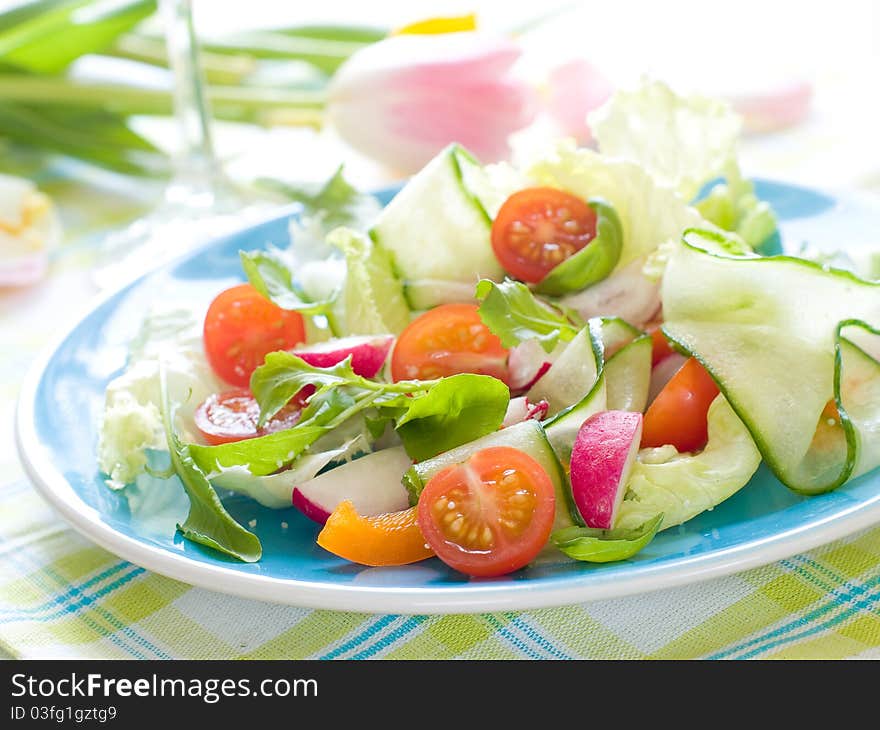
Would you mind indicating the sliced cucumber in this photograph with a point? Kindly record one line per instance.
(860, 393)
(528, 437)
(573, 375)
(621, 384)
(437, 230)
(769, 332)
(616, 333)
(628, 376)
(562, 429)
(427, 293)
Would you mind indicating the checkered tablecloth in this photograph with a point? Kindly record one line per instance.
(62, 596)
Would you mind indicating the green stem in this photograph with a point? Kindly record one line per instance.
(327, 55)
(219, 68)
(244, 104)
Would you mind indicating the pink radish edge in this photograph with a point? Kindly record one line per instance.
(368, 353)
(602, 457)
(309, 509)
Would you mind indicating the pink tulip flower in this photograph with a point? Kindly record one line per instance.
(780, 104)
(574, 89)
(403, 99)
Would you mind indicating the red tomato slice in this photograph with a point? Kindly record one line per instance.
(446, 340)
(678, 414)
(490, 515)
(538, 228)
(661, 349)
(233, 416)
(242, 327)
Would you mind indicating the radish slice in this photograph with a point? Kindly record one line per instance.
(627, 294)
(526, 364)
(368, 353)
(371, 483)
(521, 409)
(662, 373)
(601, 459)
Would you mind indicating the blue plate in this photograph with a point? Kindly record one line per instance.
(62, 398)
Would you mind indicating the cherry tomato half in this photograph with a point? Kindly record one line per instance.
(233, 415)
(446, 340)
(678, 414)
(242, 327)
(660, 347)
(538, 228)
(490, 515)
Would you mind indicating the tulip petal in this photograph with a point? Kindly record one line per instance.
(402, 100)
(574, 89)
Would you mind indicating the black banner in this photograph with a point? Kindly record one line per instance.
(127, 694)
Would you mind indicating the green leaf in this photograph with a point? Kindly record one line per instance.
(49, 41)
(322, 53)
(512, 312)
(282, 375)
(373, 295)
(681, 141)
(592, 545)
(593, 262)
(338, 202)
(733, 206)
(431, 415)
(365, 34)
(101, 138)
(270, 275)
(207, 522)
(262, 455)
(456, 410)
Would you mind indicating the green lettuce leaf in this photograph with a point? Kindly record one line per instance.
(456, 410)
(336, 201)
(373, 298)
(593, 545)
(682, 141)
(514, 314)
(271, 275)
(682, 485)
(262, 455)
(685, 142)
(430, 415)
(283, 374)
(593, 262)
(207, 522)
(733, 206)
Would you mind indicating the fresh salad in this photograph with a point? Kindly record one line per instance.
(554, 358)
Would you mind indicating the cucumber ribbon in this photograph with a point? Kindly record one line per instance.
(789, 343)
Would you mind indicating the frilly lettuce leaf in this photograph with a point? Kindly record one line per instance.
(683, 485)
(683, 142)
(373, 296)
(733, 206)
(131, 422)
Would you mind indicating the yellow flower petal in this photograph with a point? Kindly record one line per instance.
(433, 26)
